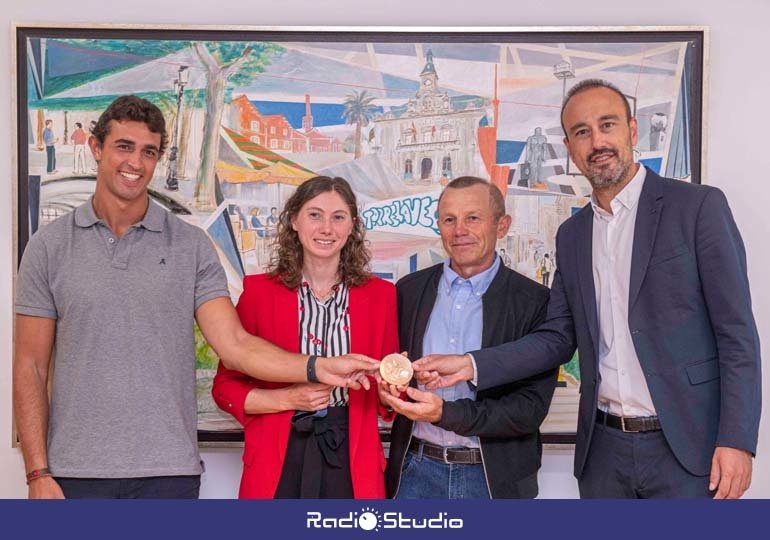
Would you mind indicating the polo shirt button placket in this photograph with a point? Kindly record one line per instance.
(122, 252)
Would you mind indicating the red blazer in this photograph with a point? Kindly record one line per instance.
(268, 309)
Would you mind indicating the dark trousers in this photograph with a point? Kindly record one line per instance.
(50, 158)
(155, 487)
(636, 466)
(317, 462)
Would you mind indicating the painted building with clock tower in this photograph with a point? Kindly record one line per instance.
(433, 137)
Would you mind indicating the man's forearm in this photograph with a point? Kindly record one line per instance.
(30, 401)
(241, 351)
(518, 413)
(261, 359)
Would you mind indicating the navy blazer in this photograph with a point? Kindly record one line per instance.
(689, 315)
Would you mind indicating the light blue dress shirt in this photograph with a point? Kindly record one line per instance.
(455, 327)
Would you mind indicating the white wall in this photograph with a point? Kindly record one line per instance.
(737, 120)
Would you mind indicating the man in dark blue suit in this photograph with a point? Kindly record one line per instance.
(651, 287)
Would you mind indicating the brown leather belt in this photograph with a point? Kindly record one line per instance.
(447, 454)
(629, 424)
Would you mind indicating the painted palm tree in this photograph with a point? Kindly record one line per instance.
(359, 111)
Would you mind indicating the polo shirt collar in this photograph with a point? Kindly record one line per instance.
(85, 215)
(153, 219)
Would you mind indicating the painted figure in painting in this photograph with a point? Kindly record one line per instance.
(319, 299)
(658, 124)
(50, 140)
(242, 221)
(272, 222)
(456, 443)
(651, 287)
(79, 137)
(535, 156)
(114, 288)
(505, 258)
(546, 267)
(256, 223)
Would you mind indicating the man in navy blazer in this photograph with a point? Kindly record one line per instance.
(651, 287)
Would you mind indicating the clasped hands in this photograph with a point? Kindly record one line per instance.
(432, 371)
(354, 371)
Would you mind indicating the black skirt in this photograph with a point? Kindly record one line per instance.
(317, 462)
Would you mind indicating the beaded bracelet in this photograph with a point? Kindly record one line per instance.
(38, 473)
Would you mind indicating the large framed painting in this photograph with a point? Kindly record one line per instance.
(254, 112)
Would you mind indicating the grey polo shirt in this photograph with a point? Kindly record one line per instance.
(123, 398)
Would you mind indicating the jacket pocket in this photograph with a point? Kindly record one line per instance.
(667, 255)
(703, 371)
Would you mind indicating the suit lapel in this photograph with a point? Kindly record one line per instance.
(584, 250)
(490, 304)
(286, 319)
(645, 229)
(359, 329)
(424, 307)
(360, 324)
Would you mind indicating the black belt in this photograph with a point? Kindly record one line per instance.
(447, 454)
(633, 424)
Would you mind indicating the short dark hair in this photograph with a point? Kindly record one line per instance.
(590, 84)
(78, 124)
(135, 109)
(496, 200)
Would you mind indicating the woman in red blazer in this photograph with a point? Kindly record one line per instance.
(310, 440)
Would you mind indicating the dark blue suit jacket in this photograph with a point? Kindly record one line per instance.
(689, 315)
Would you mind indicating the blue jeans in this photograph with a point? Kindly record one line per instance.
(426, 478)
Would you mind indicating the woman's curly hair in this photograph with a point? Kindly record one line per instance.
(287, 259)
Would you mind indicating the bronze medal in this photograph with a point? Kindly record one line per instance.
(396, 369)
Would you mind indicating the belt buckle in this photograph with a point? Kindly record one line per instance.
(445, 454)
(623, 426)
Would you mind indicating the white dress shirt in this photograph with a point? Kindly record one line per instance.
(623, 389)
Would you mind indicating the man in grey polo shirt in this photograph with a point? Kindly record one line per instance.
(114, 286)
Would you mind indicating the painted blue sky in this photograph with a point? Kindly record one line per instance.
(324, 114)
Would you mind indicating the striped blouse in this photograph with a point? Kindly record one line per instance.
(324, 329)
